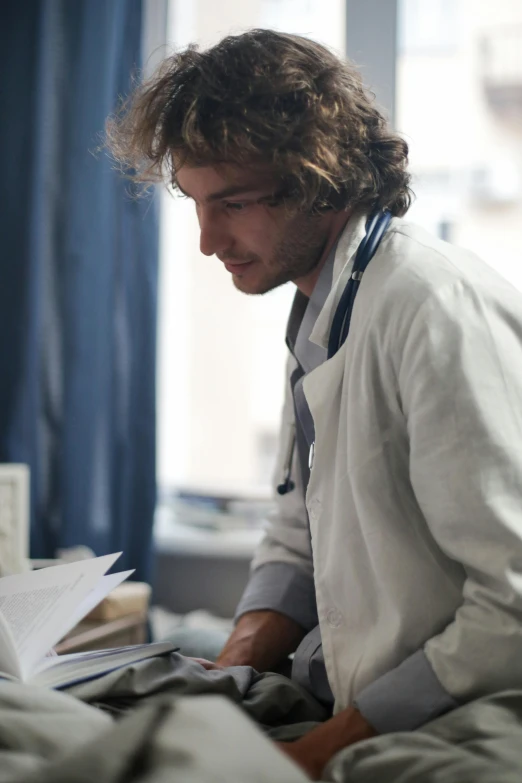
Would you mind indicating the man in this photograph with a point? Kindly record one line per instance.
(393, 569)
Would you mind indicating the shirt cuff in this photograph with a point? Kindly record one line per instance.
(404, 698)
(283, 588)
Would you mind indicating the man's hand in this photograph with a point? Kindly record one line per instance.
(313, 751)
(208, 665)
(261, 639)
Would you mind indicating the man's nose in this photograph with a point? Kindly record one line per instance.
(213, 236)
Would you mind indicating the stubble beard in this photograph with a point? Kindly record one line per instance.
(294, 257)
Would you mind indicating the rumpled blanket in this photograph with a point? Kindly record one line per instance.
(168, 719)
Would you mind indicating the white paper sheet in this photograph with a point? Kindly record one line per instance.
(34, 604)
(97, 594)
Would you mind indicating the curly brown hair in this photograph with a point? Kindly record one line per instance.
(266, 98)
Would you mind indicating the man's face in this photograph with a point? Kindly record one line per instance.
(260, 243)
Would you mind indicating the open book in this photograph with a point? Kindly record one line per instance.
(38, 608)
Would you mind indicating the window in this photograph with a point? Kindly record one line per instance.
(428, 26)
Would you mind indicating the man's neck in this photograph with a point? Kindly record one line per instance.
(307, 284)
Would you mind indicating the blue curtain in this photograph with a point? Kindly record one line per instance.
(78, 281)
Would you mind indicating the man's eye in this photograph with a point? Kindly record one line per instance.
(235, 206)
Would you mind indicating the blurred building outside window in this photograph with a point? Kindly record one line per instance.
(459, 106)
(431, 26)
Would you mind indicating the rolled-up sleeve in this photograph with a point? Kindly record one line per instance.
(284, 588)
(405, 698)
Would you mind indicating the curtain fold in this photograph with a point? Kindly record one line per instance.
(78, 281)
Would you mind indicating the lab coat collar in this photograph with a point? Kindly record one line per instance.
(349, 241)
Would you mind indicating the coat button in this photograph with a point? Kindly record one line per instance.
(334, 618)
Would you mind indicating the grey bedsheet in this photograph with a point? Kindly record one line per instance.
(167, 719)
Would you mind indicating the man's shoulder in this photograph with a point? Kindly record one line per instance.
(417, 281)
(413, 266)
(414, 253)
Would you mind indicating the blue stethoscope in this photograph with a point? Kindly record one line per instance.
(376, 226)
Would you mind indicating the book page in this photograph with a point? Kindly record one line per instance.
(34, 604)
(97, 594)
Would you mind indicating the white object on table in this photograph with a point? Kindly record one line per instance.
(14, 518)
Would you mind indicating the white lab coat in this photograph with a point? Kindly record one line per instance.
(415, 494)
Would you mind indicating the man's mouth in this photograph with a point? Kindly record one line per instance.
(237, 268)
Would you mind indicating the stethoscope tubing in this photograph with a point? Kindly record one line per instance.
(375, 230)
(376, 227)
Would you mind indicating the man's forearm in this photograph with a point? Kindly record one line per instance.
(314, 750)
(261, 639)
